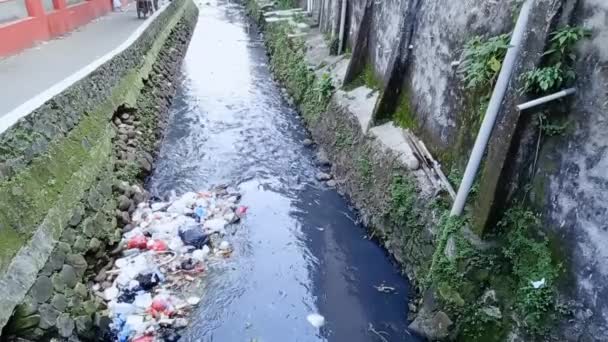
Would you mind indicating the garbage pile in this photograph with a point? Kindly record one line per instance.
(165, 251)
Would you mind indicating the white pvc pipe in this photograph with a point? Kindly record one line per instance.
(493, 108)
(342, 26)
(545, 99)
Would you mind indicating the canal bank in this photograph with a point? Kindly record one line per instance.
(65, 169)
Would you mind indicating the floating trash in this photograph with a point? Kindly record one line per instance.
(167, 248)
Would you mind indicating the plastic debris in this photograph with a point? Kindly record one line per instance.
(316, 320)
(538, 284)
(194, 236)
(168, 247)
(140, 242)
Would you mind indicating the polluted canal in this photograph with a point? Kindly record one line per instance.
(298, 258)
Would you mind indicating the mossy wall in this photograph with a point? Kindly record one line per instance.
(57, 177)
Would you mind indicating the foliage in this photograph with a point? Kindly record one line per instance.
(563, 41)
(343, 138)
(364, 166)
(547, 79)
(482, 60)
(403, 199)
(548, 127)
(557, 71)
(531, 260)
(289, 65)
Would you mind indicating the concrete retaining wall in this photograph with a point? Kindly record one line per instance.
(59, 180)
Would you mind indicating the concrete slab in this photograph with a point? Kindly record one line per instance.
(393, 138)
(360, 102)
(30, 73)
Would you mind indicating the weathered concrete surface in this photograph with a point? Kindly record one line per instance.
(571, 185)
(58, 203)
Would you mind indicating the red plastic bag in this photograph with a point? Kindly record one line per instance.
(241, 211)
(160, 306)
(144, 338)
(157, 245)
(139, 241)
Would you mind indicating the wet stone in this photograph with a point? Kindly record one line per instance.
(76, 216)
(81, 244)
(123, 202)
(59, 302)
(42, 289)
(95, 199)
(48, 316)
(65, 325)
(94, 244)
(84, 324)
(322, 176)
(81, 290)
(78, 262)
(68, 276)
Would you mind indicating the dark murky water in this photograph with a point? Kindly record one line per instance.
(299, 250)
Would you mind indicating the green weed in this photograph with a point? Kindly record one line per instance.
(482, 60)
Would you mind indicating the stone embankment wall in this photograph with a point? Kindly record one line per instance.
(70, 175)
(537, 212)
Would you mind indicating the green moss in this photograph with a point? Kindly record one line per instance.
(367, 78)
(404, 115)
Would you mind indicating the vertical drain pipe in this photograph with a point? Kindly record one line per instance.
(493, 107)
(342, 27)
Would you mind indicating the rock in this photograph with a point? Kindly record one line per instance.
(59, 302)
(432, 326)
(139, 197)
(42, 289)
(76, 216)
(125, 116)
(131, 134)
(101, 276)
(412, 307)
(489, 297)
(322, 159)
(331, 183)
(90, 306)
(492, 311)
(322, 176)
(68, 236)
(95, 199)
(78, 262)
(65, 325)
(48, 316)
(94, 244)
(81, 290)
(127, 228)
(144, 164)
(84, 324)
(307, 142)
(117, 121)
(81, 244)
(132, 142)
(68, 276)
(125, 218)
(123, 202)
(106, 285)
(450, 249)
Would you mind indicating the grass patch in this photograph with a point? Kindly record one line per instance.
(367, 78)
